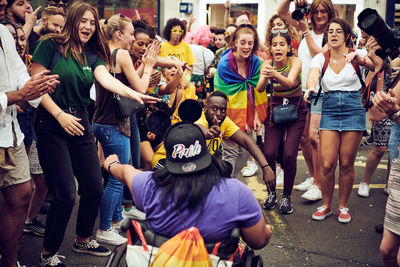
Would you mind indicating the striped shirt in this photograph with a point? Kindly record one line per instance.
(278, 89)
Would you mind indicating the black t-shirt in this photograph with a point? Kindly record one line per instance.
(33, 42)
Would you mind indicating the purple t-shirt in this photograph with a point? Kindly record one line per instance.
(229, 204)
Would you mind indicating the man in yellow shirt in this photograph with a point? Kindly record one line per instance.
(216, 125)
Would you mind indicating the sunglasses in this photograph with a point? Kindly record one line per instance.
(279, 31)
(177, 31)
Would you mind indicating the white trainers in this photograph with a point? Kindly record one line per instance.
(134, 213)
(116, 226)
(363, 190)
(279, 173)
(306, 184)
(313, 193)
(111, 237)
(250, 169)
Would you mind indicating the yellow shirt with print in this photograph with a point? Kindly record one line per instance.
(181, 51)
(228, 128)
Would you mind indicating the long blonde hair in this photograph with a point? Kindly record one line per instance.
(68, 40)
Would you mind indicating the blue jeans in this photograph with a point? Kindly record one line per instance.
(394, 142)
(112, 142)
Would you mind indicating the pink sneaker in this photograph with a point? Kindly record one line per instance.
(321, 213)
(344, 215)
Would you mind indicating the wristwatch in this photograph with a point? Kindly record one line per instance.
(395, 116)
(112, 164)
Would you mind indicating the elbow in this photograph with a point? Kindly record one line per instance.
(262, 242)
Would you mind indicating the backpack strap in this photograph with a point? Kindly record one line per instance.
(327, 56)
(357, 69)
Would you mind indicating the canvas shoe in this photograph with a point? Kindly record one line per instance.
(133, 213)
(363, 190)
(54, 260)
(34, 227)
(270, 202)
(322, 213)
(111, 237)
(250, 169)
(306, 184)
(313, 193)
(92, 248)
(344, 215)
(279, 176)
(286, 205)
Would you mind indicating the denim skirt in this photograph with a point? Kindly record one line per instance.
(342, 111)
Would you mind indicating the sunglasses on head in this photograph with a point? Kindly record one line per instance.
(279, 31)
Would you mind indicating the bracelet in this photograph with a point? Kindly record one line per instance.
(395, 116)
(112, 164)
(59, 113)
(306, 33)
(266, 165)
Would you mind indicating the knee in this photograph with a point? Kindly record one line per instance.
(387, 253)
(379, 151)
(314, 140)
(327, 167)
(304, 140)
(346, 166)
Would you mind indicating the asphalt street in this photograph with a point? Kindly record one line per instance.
(297, 240)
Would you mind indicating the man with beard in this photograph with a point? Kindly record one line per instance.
(52, 22)
(216, 125)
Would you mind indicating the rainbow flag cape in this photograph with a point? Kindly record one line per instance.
(243, 98)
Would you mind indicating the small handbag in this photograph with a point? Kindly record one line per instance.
(284, 114)
(124, 106)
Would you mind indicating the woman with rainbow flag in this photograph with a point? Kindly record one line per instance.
(237, 76)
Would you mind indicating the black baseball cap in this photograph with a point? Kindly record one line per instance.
(186, 149)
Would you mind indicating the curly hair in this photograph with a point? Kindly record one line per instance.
(170, 24)
(245, 28)
(293, 33)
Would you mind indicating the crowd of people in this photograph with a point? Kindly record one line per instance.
(67, 76)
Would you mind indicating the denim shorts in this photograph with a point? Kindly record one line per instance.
(342, 111)
(315, 108)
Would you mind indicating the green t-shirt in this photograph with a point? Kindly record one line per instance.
(75, 79)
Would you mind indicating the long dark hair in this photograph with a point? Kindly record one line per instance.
(193, 187)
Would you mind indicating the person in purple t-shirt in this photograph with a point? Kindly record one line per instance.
(191, 191)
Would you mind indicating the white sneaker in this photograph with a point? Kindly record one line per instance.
(111, 237)
(279, 176)
(313, 193)
(250, 169)
(116, 226)
(134, 213)
(363, 190)
(306, 184)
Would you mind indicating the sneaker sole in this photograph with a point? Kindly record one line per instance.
(301, 188)
(94, 253)
(344, 220)
(363, 196)
(323, 217)
(311, 198)
(32, 232)
(271, 208)
(287, 212)
(109, 242)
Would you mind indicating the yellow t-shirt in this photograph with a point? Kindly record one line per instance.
(181, 51)
(228, 128)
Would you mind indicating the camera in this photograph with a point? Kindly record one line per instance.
(300, 12)
(389, 39)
